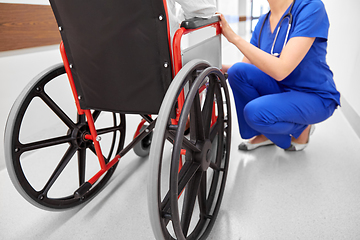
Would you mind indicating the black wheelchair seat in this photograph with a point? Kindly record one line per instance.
(118, 51)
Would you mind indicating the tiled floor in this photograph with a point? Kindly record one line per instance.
(270, 194)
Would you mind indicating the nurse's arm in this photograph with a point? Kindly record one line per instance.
(278, 68)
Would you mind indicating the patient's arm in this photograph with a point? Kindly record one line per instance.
(203, 9)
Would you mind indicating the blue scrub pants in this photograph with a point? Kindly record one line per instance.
(265, 107)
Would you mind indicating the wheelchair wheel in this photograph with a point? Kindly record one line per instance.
(47, 155)
(184, 200)
(142, 149)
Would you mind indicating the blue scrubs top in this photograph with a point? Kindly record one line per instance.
(312, 75)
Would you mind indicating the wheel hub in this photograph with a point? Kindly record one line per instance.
(79, 134)
(204, 157)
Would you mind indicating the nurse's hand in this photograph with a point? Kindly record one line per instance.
(227, 31)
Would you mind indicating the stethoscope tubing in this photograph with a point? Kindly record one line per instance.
(289, 14)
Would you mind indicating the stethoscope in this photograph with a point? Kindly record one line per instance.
(278, 30)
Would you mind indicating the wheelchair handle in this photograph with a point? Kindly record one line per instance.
(196, 22)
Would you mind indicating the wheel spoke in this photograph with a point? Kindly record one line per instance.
(96, 114)
(212, 191)
(56, 109)
(215, 129)
(184, 178)
(208, 107)
(196, 121)
(81, 165)
(113, 139)
(214, 166)
(218, 126)
(60, 167)
(81, 118)
(191, 191)
(109, 130)
(186, 143)
(186, 173)
(92, 148)
(46, 143)
(217, 167)
(202, 194)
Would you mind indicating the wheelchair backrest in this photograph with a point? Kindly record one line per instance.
(119, 52)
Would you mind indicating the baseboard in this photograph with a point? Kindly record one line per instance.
(351, 115)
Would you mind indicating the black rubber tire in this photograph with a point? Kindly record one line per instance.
(190, 199)
(55, 189)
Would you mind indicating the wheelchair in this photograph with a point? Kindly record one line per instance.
(117, 61)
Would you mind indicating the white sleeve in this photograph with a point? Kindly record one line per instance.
(198, 8)
(179, 10)
(175, 14)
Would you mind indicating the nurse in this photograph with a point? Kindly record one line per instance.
(283, 86)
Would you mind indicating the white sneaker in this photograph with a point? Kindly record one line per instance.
(297, 146)
(247, 146)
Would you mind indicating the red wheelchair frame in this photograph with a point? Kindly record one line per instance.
(137, 137)
(199, 160)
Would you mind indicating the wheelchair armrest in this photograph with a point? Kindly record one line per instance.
(196, 22)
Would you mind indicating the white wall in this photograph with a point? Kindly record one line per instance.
(17, 68)
(344, 48)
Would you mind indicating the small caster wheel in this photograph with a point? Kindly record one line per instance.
(142, 149)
